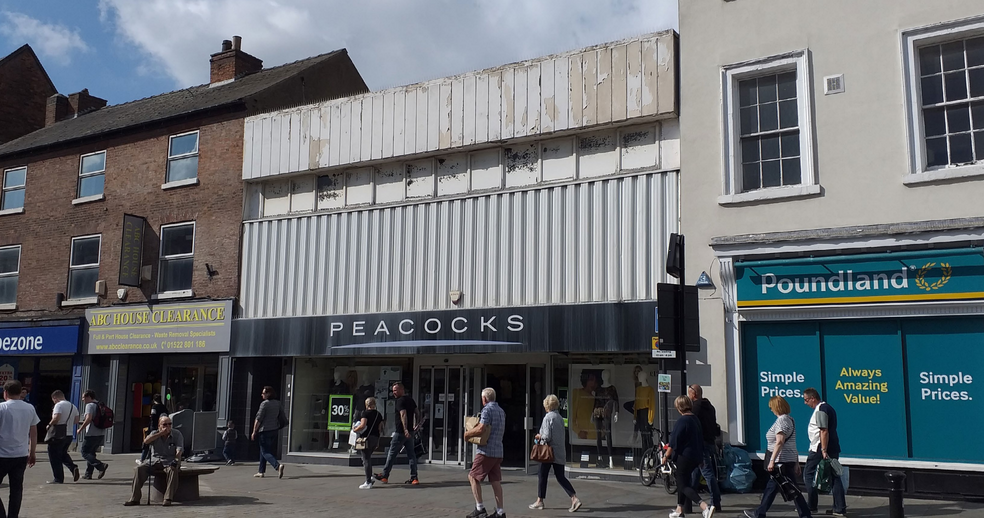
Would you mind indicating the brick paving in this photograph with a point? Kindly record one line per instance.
(315, 490)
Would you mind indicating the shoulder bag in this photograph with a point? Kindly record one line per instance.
(282, 420)
(59, 431)
(362, 442)
(542, 452)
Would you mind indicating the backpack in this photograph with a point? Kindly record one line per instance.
(104, 416)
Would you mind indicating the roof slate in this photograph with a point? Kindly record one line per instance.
(160, 107)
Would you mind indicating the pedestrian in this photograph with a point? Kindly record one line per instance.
(167, 448)
(553, 433)
(711, 431)
(64, 417)
(369, 427)
(229, 438)
(782, 455)
(266, 428)
(686, 450)
(407, 423)
(93, 437)
(18, 441)
(488, 458)
(824, 444)
(157, 410)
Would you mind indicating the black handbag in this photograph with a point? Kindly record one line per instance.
(787, 488)
(58, 431)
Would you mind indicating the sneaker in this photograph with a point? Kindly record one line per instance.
(137, 461)
(167, 503)
(258, 475)
(839, 515)
(749, 514)
(674, 514)
(281, 470)
(575, 506)
(365, 485)
(87, 477)
(75, 474)
(499, 515)
(709, 512)
(53, 482)
(380, 477)
(536, 505)
(102, 472)
(413, 481)
(477, 514)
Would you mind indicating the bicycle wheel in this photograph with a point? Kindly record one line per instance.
(669, 479)
(648, 467)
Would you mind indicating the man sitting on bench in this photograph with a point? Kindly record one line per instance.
(166, 445)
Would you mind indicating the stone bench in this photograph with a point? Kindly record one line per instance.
(187, 484)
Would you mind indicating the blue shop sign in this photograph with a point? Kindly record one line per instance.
(928, 275)
(27, 341)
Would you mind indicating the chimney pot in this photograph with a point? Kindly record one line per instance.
(226, 45)
(237, 42)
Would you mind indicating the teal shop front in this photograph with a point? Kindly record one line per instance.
(894, 341)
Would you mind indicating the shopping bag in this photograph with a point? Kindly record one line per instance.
(419, 448)
(472, 422)
(823, 480)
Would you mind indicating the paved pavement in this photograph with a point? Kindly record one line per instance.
(313, 490)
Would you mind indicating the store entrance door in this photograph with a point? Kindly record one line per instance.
(442, 396)
(192, 387)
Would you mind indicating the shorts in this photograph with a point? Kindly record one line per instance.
(486, 467)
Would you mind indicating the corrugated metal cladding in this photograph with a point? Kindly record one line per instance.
(600, 85)
(590, 242)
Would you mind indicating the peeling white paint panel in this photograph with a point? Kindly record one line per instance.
(331, 191)
(452, 175)
(420, 179)
(486, 169)
(599, 85)
(522, 164)
(276, 198)
(302, 197)
(559, 161)
(358, 186)
(596, 154)
(669, 145)
(390, 183)
(597, 241)
(639, 147)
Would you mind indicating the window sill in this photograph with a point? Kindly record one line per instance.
(949, 173)
(776, 193)
(180, 183)
(18, 210)
(80, 302)
(89, 199)
(8, 307)
(167, 295)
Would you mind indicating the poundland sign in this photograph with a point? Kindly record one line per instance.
(934, 275)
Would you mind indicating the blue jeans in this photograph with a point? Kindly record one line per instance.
(268, 442)
(772, 490)
(840, 501)
(396, 443)
(227, 451)
(708, 469)
(89, 447)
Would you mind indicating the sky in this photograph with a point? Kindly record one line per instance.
(123, 50)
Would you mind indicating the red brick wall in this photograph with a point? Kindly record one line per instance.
(135, 170)
(24, 91)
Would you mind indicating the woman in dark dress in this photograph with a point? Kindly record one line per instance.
(687, 451)
(369, 426)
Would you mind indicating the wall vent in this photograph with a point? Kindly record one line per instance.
(833, 84)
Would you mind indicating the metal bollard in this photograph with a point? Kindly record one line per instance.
(896, 509)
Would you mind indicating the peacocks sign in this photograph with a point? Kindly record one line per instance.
(929, 275)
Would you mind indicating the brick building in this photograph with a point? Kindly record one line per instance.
(152, 285)
(24, 90)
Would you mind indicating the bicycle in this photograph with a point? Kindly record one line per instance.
(651, 465)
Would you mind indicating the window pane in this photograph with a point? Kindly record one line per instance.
(788, 118)
(932, 90)
(750, 177)
(960, 149)
(979, 144)
(746, 93)
(953, 56)
(787, 85)
(956, 86)
(15, 178)
(929, 60)
(771, 175)
(182, 168)
(767, 89)
(977, 113)
(91, 185)
(184, 144)
(176, 274)
(791, 171)
(770, 148)
(13, 200)
(8, 260)
(958, 118)
(936, 152)
(749, 120)
(790, 145)
(177, 240)
(750, 150)
(85, 251)
(975, 52)
(768, 116)
(976, 82)
(93, 163)
(934, 120)
(82, 283)
(8, 290)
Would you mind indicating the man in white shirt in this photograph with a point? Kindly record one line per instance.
(64, 419)
(18, 441)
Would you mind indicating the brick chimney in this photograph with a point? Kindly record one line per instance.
(82, 102)
(232, 63)
(57, 109)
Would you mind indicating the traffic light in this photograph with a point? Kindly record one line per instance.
(669, 299)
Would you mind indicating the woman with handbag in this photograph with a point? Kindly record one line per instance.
(368, 428)
(783, 462)
(554, 455)
(687, 450)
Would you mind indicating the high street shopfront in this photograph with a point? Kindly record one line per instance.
(894, 341)
(44, 357)
(586, 354)
(178, 350)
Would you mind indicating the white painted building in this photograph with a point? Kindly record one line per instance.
(504, 227)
